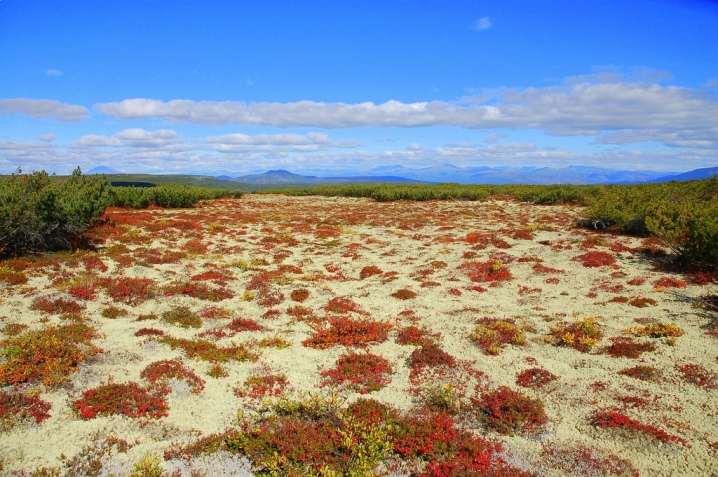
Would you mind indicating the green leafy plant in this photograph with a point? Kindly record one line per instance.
(182, 317)
(40, 212)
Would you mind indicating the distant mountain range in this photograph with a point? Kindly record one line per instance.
(286, 177)
(482, 175)
(451, 173)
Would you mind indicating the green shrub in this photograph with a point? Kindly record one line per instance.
(39, 212)
(683, 214)
(169, 196)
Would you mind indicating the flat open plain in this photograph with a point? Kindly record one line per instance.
(501, 286)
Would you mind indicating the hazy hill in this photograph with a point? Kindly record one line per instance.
(695, 174)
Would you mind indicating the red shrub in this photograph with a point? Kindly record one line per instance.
(341, 305)
(539, 268)
(129, 399)
(299, 295)
(622, 347)
(489, 271)
(669, 282)
(596, 259)
(83, 292)
(644, 373)
(481, 241)
(404, 294)
(240, 324)
(263, 385)
(149, 332)
(535, 378)
(612, 419)
(58, 305)
(348, 332)
(369, 271)
(160, 373)
(16, 407)
(130, 290)
(412, 335)
(507, 411)
(360, 372)
(215, 276)
(698, 375)
(199, 290)
(429, 354)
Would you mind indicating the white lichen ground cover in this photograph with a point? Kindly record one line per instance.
(323, 245)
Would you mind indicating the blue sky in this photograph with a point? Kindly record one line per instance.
(325, 87)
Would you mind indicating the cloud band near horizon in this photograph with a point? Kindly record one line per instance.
(674, 115)
(614, 112)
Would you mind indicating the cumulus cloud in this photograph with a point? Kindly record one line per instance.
(298, 114)
(47, 137)
(53, 72)
(43, 108)
(134, 137)
(483, 23)
(575, 108)
(270, 139)
(274, 144)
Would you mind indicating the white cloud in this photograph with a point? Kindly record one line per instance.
(43, 108)
(711, 83)
(135, 137)
(47, 137)
(415, 146)
(568, 110)
(483, 23)
(270, 139)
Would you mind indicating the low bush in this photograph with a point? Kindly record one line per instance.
(489, 271)
(39, 212)
(491, 335)
(208, 351)
(128, 399)
(17, 408)
(581, 335)
(642, 372)
(49, 355)
(259, 386)
(698, 375)
(182, 317)
(631, 428)
(622, 347)
(657, 330)
(299, 295)
(508, 412)
(360, 372)
(412, 335)
(348, 332)
(429, 354)
(160, 373)
(535, 378)
(596, 259)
